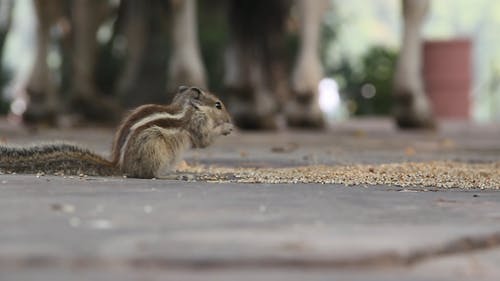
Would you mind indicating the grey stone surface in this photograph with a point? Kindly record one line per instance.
(72, 228)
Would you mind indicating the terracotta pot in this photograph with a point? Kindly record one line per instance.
(448, 77)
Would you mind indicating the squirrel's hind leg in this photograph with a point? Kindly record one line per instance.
(154, 152)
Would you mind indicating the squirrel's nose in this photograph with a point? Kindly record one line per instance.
(228, 128)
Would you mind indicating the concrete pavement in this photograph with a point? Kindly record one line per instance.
(91, 228)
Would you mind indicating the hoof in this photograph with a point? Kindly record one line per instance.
(307, 122)
(97, 109)
(39, 111)
(254, 122)
(250, 112)
(412, 111)
(303, 112)
(40, 116)
(412, 122)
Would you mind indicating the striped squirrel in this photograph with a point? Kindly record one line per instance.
(148, 143)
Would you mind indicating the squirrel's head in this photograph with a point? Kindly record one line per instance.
(206, 104)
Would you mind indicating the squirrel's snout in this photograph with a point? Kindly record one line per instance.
(227, 128)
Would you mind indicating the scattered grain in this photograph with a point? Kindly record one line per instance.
(436, 174)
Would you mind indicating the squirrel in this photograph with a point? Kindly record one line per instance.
(149, 142)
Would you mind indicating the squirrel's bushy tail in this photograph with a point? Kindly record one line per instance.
(56, 158)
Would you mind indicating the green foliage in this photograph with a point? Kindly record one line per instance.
(369, 85)
(4, 78)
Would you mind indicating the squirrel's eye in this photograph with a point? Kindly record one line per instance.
(218, 105)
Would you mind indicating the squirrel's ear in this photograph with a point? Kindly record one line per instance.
(197, 92)
(188, 94)
(182, 88)
(195, 97)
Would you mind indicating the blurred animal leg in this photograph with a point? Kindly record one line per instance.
(411, 106)
(255, 76)
(302, 109)
(41, 88)
(186, 66)
(251, 102)
(6, 9)
(86, 99)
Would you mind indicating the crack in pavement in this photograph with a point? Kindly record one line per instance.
(382, 260)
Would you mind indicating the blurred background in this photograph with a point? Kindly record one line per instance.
(358, 49)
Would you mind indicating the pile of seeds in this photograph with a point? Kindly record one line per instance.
(437, 174)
